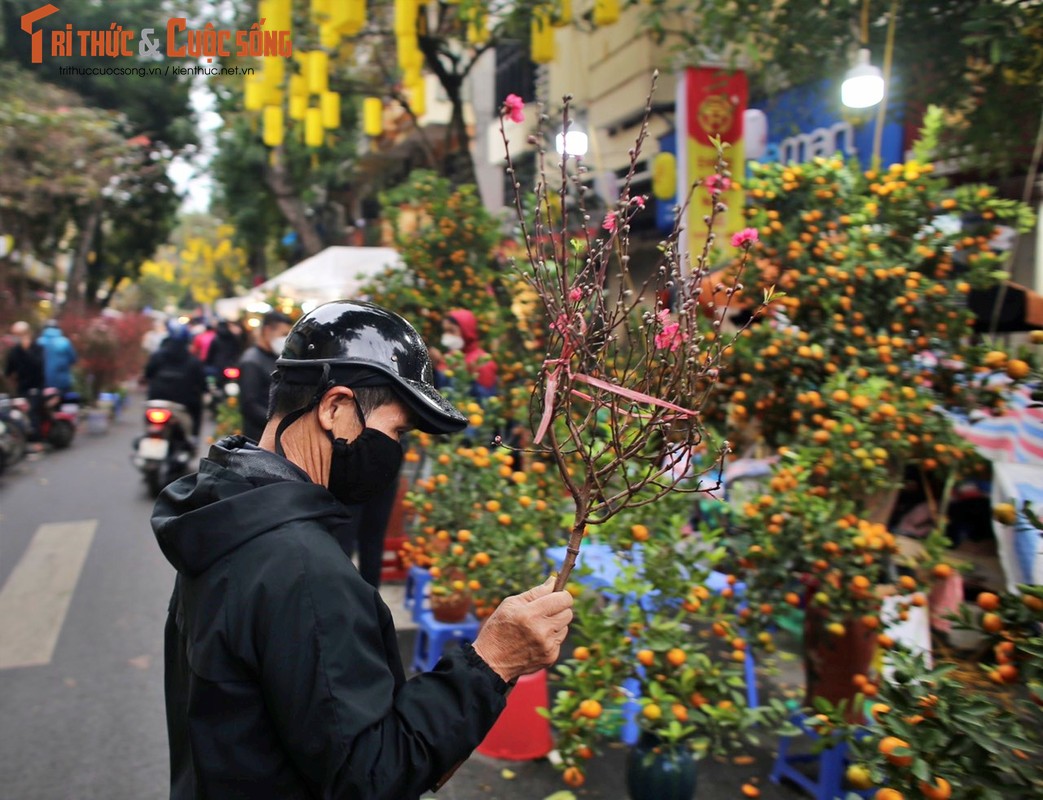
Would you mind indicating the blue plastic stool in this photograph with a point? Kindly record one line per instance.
(832, 762)
(432, 636)
(415, 594)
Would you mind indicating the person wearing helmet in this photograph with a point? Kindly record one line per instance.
(172, 373)
(283, 676)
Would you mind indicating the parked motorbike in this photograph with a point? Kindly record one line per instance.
(166, 449)
(14, 434)
(54, 419)
(221, 387)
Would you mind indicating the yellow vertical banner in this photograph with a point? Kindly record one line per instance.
(715, 100)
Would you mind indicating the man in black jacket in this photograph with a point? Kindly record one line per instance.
(25, 361)
(173, 373)
(255, 372)
(283, 677)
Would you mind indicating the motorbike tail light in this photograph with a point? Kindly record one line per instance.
(157, 416)
(231, 373)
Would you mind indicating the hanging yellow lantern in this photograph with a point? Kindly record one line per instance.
(320, 10)
(477, 30)
(279, 16)
(410, 77)
(329, 37)
(348, 17)
(317, 71)
(298, 86)
(664, 176)
(606, 12)
(563, 13)
(272, 96)
(253, 93)
(405, 17)
(372, 116)
(298, 106)
(542, 44)
(273, 71)
(314, 135)
(272, 130)
(409, 56)
(418, 95)
(330, 104)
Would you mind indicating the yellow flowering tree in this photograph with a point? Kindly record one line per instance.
(204, 266)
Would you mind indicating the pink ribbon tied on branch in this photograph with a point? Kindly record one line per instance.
(555, 367)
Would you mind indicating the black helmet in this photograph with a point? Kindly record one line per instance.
(360, 344)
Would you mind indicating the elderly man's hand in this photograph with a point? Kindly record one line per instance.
(525, 632)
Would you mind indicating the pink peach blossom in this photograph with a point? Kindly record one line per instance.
(514, 108)
(745, 237)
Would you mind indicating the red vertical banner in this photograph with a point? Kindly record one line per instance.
(715, 100)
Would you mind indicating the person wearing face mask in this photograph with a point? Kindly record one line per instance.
(255, 371)
(460, 335)
(283, 676)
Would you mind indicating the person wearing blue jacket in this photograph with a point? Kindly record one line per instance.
(58, 357)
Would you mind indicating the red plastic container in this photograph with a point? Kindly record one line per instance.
(520, 734)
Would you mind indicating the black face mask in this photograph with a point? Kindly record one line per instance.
(363, 468)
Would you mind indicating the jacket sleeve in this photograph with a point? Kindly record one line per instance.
(351, 731)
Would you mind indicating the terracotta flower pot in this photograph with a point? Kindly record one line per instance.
(452, 607)
(831, 661)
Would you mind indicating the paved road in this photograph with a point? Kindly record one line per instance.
(83, 594)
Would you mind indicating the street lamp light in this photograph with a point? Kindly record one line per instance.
(573, 142)
(864, 84)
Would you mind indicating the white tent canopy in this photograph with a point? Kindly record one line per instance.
(334, 274)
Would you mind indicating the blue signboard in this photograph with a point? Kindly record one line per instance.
(808, 121)
(664, 209)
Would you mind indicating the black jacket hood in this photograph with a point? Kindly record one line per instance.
(239, 493)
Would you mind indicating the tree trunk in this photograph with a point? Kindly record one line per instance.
(289, 203)
(458, 165)
(74, 293)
